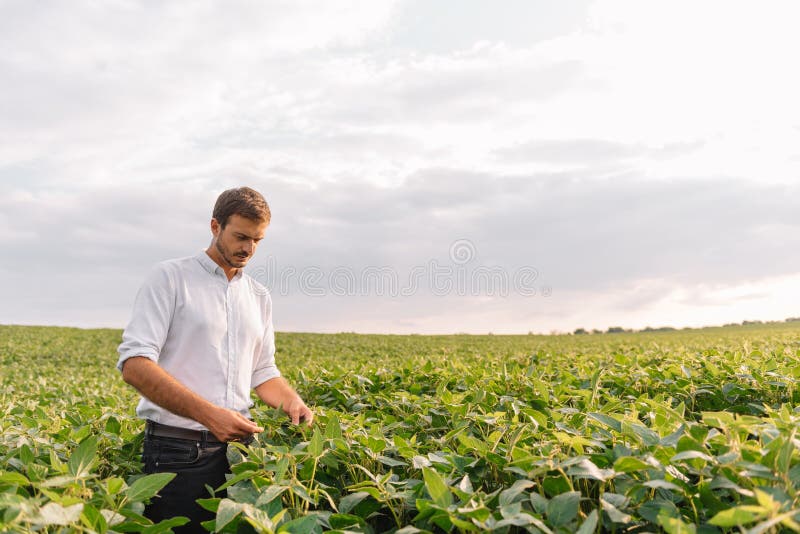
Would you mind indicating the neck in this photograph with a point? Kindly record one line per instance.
(214, 254)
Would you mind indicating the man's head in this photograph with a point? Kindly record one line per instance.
(243, 201)
(240, 218)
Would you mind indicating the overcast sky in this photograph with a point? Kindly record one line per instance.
(431, 166)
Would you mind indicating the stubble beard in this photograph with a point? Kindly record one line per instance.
(227, 259)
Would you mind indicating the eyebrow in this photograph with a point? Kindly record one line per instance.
(240, 234)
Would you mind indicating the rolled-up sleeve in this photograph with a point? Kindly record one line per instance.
(265, 367)
(152, 313)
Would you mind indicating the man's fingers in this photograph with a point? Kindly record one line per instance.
(238, 426)
(301, 414)
(248, 425)
(251, 427)
(306, 416)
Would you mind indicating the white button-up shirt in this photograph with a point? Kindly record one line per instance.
(214, 336)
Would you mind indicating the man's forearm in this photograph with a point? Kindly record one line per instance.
(161, 388)
(276, 392)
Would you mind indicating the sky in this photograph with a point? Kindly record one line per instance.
(431, 167)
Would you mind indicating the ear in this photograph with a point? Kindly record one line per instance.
(215, 228)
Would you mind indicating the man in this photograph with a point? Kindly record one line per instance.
(199, 339)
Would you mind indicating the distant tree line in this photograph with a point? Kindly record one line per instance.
(621, 330)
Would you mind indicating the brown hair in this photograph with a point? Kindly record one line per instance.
(243, 201)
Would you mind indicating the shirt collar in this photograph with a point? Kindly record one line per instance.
(212, 267)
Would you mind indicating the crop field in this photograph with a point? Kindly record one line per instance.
(679, 432)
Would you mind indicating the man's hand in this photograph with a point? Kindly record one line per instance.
(229, 425)
(298, 411)
(278, 393)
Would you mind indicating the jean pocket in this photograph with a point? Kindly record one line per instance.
(176, 454)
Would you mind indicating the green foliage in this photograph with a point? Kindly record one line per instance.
(681, 431)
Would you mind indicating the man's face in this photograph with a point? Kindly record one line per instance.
(237, 242)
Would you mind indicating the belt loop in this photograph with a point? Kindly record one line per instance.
(148, 429)
(204, 442)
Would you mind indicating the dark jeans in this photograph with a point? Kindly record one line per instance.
(196, 465)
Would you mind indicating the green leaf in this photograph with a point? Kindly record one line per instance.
(563, 508)
(93, 519)
(280, 468)
(614, 514)
(538, 502)
(437, 488)
(420, 461)
(784, 519)
(211, 504)
(651, 509)
(15, 478)
(508, 495)
(658, 483)
(736, 516)
(391, 462)
(718, 419)
(472, 444)
(630, 464)
(465, 485)
(112, 518)
(333, 430)
(342, 521)
(606, 420)
(465, 526)
(114, 485)
(783, 460)
(349, 502)
(646, 435)
(302, 492)
(376, 445)
(306, 524)
(674, 525)
(587, 469)
(228, 510)
(765, 499)
(691, 455)
(147, 486)
(53, 513)
(112, 425)
(238, 477)
(270, 494)
(588, 526)
(132, 514)
(166, 525)
(26, 455)
(55, 463)
(315, 446)
(57, 482)
(80, 463)
(721, 482)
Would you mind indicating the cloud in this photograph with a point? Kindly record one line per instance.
(96, 89)
(585, 152)
(632, 168)
(165, 93)
(638, 240)
(581, 151)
